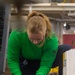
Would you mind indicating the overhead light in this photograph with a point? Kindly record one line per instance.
(74, 32)
(65, 24)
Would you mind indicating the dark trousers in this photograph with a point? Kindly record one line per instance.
(29, 67)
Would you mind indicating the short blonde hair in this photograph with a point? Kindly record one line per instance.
(36, 21)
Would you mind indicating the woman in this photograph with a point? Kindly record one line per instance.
(37, 45)
(32, 51)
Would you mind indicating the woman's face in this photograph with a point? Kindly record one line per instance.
(36, 38)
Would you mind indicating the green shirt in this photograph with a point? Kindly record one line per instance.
(19, 41)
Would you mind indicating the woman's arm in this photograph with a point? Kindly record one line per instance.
(48, 57)
(13, 53)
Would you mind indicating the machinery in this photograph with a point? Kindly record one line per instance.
(4, 32)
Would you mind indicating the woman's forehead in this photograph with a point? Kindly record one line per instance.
(38, 35)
